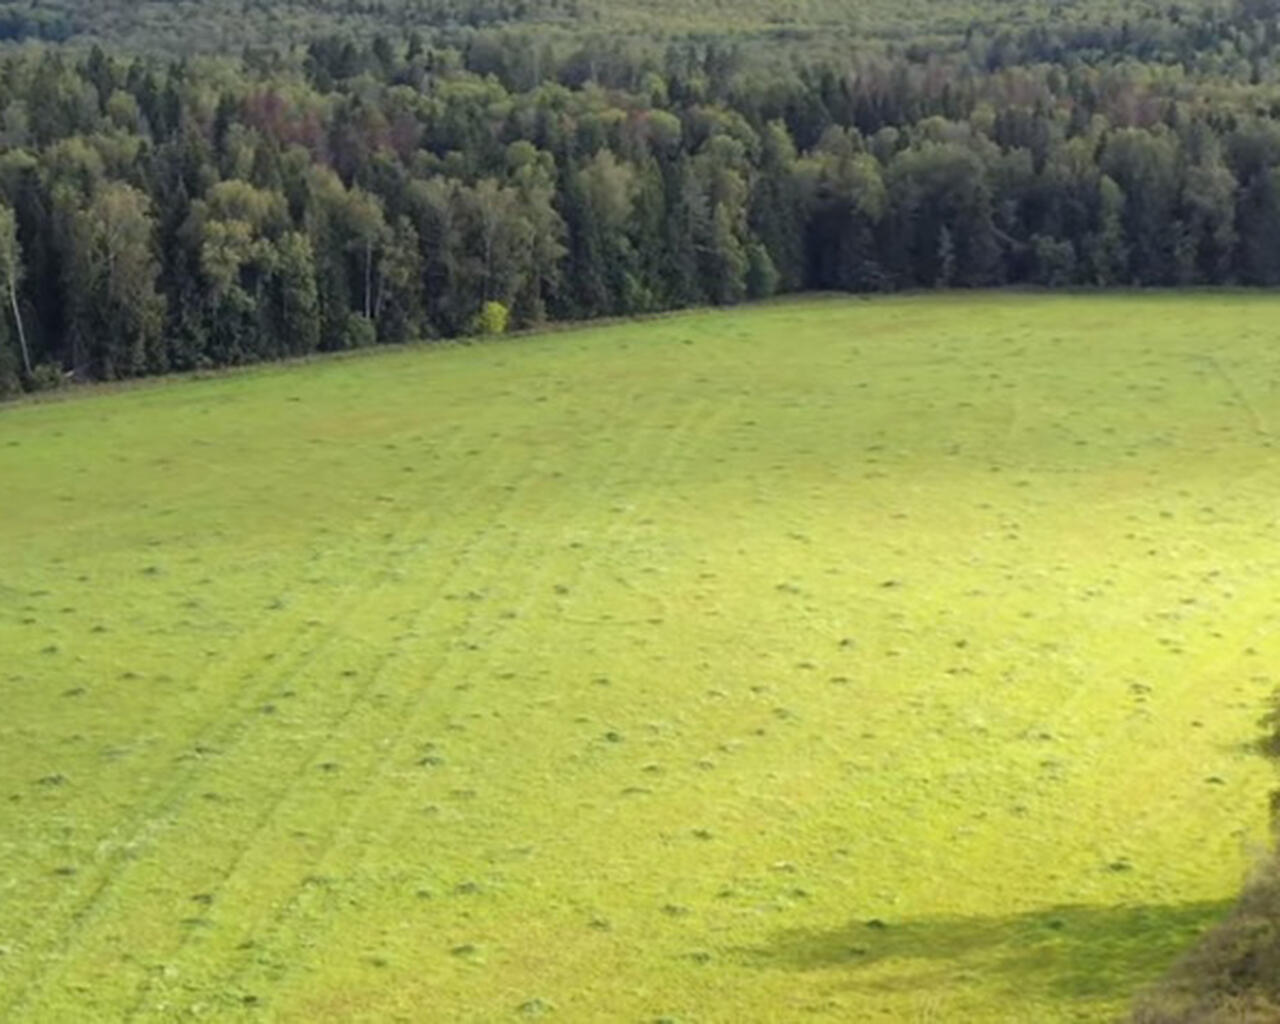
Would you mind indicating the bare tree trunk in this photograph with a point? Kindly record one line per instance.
(488, 258)
(368, 283)
(17, 319)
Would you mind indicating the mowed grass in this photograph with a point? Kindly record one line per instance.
(846, 660)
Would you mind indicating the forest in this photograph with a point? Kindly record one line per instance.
(166, 214)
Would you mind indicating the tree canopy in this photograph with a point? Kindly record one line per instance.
(364, 187)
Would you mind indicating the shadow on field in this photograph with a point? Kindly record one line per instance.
(1064, 952)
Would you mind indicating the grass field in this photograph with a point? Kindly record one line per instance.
(838, 660)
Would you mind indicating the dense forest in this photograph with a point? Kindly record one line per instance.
(185, 27)
(163, 214)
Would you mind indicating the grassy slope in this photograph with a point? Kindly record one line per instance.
(567, 674)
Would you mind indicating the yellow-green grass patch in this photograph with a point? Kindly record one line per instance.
(846, 660)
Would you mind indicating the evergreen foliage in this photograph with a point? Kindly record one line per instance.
(207, 211)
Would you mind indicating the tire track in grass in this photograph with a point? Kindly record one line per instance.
(140, 827)
(412, 715)
(338, 862)
(259, 823)
(379, 762)
(229, 735)
(236, 664)
(335, 860)
(308, 762)
(1240, 400)
(119, 861)
(472, 556)
(175, 794)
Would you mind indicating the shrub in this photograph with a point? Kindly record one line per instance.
(492, 320)
(1055, 261)
(762, 275)
(47, 377)
(1233, 973)
(359, 332)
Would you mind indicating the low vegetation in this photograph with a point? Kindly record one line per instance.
(1234, 973)
(893, 659)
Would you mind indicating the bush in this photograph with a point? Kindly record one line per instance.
(359, 332)
(10, 380)
(492, 320)
(1055, 261)
(762, 275)
(47, 377)
(1233, 973)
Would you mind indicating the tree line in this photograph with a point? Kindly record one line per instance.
(159, 216)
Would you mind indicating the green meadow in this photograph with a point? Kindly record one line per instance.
(830, 660)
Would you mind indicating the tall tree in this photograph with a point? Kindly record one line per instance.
(1145, 165)
(111, 278)
(11, 277)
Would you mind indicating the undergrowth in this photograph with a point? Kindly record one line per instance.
(1233, 974)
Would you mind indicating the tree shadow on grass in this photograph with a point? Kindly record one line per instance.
(1064, 954)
